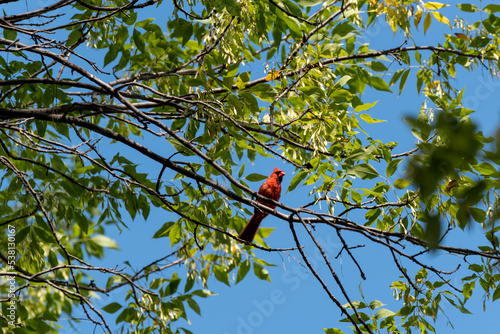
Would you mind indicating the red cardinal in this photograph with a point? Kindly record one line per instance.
(270, 189)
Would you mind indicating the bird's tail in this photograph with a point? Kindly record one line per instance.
(248, 233)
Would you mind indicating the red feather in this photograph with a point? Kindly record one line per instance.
(270, 189)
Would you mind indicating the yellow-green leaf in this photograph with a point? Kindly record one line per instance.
(441, 18)
(492, 8)
(261, 272)
(418, 17)
(105, 241)
(427, 22)
(435, 5)
(365, 106)
(368, 119)
(221, 274)
(333, 331)
(243, 270)
(296, 180)
(401, 183)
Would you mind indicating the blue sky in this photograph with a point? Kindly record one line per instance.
(295, 302)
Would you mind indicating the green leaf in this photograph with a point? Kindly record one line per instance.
(343, 80)
(496, 294)
(179, 147)
(375, 304)
(492, 8)
(486, 168)
(461, 308)
(173, 285)
(175, 233)
(194, 305)
(396, 76)
(401, 183)
(478, 214)
(296, 180)
(311, 179)
(221, 274)
(202, 293)
(53, 259)
(181, 28)
(309, 3)
(242, 270)
(73, 37)
(105, 241)
(383, 313)
(234, 101)
(263, 91)
(162, 232)
(10, 34)
(292, 25)
(392, 167)
(189, 283)
(111, 55)
(365, 106)
(368, 119)
(467, 7)
(264, 232)
(21, 235)
(405, 310)
(402, 83)
(364, 171)
(468, 289)
(479, 42)
(359, 154)
(379, 84)
(376, 66)
(112, 308)
(242, 169)
(476, 267)
(427, 22)
(155, 283)
(254, 177)
(261, 272)
(356, 197)
(277, 33)
(242, 80)
(139, 41)
(333, 331)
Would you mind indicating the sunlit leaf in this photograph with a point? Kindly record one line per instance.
(441, 18)
(434, 5)
(105, 241)
(273, 75)
(368, 119)
(261, 272)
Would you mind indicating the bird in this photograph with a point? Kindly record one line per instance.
(270, 189)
